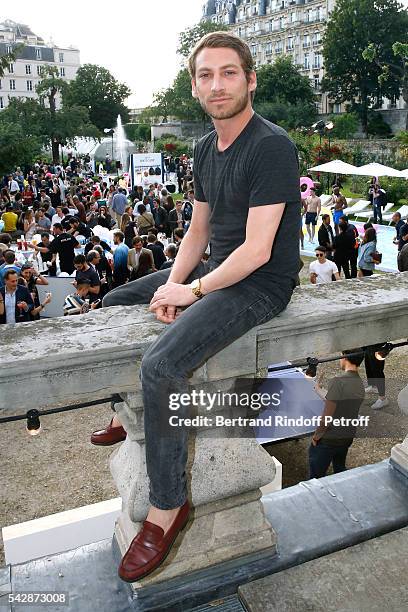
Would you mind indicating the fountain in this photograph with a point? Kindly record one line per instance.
(121, 146)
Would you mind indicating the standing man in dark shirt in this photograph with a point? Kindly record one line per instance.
(158, 253)
(330, 443)
(64, 246)
(247, 202)
(325, 236)
(84, 270)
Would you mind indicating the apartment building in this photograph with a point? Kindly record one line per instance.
(23, 74)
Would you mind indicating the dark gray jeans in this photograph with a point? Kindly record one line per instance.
(203, 329)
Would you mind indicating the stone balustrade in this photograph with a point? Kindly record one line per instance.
(69, 360)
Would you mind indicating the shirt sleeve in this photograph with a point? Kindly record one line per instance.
(273, 172)
(198, 188)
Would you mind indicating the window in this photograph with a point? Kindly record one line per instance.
(1, 103)
(38, 54)
(316, 82)
(316, 62)
(39, 70)
(306, 40)
(62, 72)
(1, 84)
(289, 44)
(268, 48)
(11, 68)
(9, 49)
(29, 86)
(254, 49)
(28, 69)
(306, 62)
(12, 85)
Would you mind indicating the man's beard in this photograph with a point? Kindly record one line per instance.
(239, 106)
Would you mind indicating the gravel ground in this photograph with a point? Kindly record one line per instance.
(60, 470)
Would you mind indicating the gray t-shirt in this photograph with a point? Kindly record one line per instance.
(347, 390)
(259, 168)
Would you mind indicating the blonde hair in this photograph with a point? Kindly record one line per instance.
(216, 40)
(125, 221)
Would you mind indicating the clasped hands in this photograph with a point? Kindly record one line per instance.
(169, 301)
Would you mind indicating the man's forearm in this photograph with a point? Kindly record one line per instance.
(189, 256)
(235, 268)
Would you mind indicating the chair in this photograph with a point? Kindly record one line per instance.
(403, 210)
(357, 207)
(366, 214)
(325, 198)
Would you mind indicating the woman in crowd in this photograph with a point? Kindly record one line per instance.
(104, 219)
(366, 263)
(145, 220)
(29, 225)
(28, 196)
(129, 228)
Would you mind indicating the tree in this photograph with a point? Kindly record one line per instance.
(283, 82)
(283, 95)
(16, 147)
(177, 101)
(350, 77)
(398, 68)
(191, 36)
(63, 125)
(345, 126)
(96, 89)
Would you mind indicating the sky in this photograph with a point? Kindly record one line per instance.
(135, 39)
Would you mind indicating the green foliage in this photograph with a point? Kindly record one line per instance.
(351, 74)
(172, 145)
(283, 82)
(288, 116)
(177, 101)
(402, 137)
(283, 95)
(305, 144)
(191, 36)
(345, 126)
(137, 131)
(96, 89)
(397, 189)
(16, 149)
(377, 126)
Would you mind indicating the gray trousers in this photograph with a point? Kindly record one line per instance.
(203, 329)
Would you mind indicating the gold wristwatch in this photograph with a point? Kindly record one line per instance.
(196, 288)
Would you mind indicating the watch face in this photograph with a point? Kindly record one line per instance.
(195, 284)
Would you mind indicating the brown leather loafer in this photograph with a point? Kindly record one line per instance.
(150, 547)
(110, 435)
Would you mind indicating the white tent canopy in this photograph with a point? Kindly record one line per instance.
(335, 166)
(375, 169)
(405, 173)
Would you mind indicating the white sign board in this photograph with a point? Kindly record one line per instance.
(141, 162)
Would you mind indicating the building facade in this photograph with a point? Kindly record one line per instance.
(24, 73)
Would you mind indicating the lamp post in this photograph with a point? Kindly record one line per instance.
(322, 128)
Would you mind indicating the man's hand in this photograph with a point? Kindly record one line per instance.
(172, 295)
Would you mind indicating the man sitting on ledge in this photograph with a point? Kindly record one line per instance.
(247, 203)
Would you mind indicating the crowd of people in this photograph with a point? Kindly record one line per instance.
(143, 228)
(341, 249)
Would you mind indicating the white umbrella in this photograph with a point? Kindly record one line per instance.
(379, 170)
(335, 167)
(405, 173)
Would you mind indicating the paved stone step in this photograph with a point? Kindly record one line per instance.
(368, 577)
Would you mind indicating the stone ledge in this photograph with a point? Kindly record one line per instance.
(98, 353)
